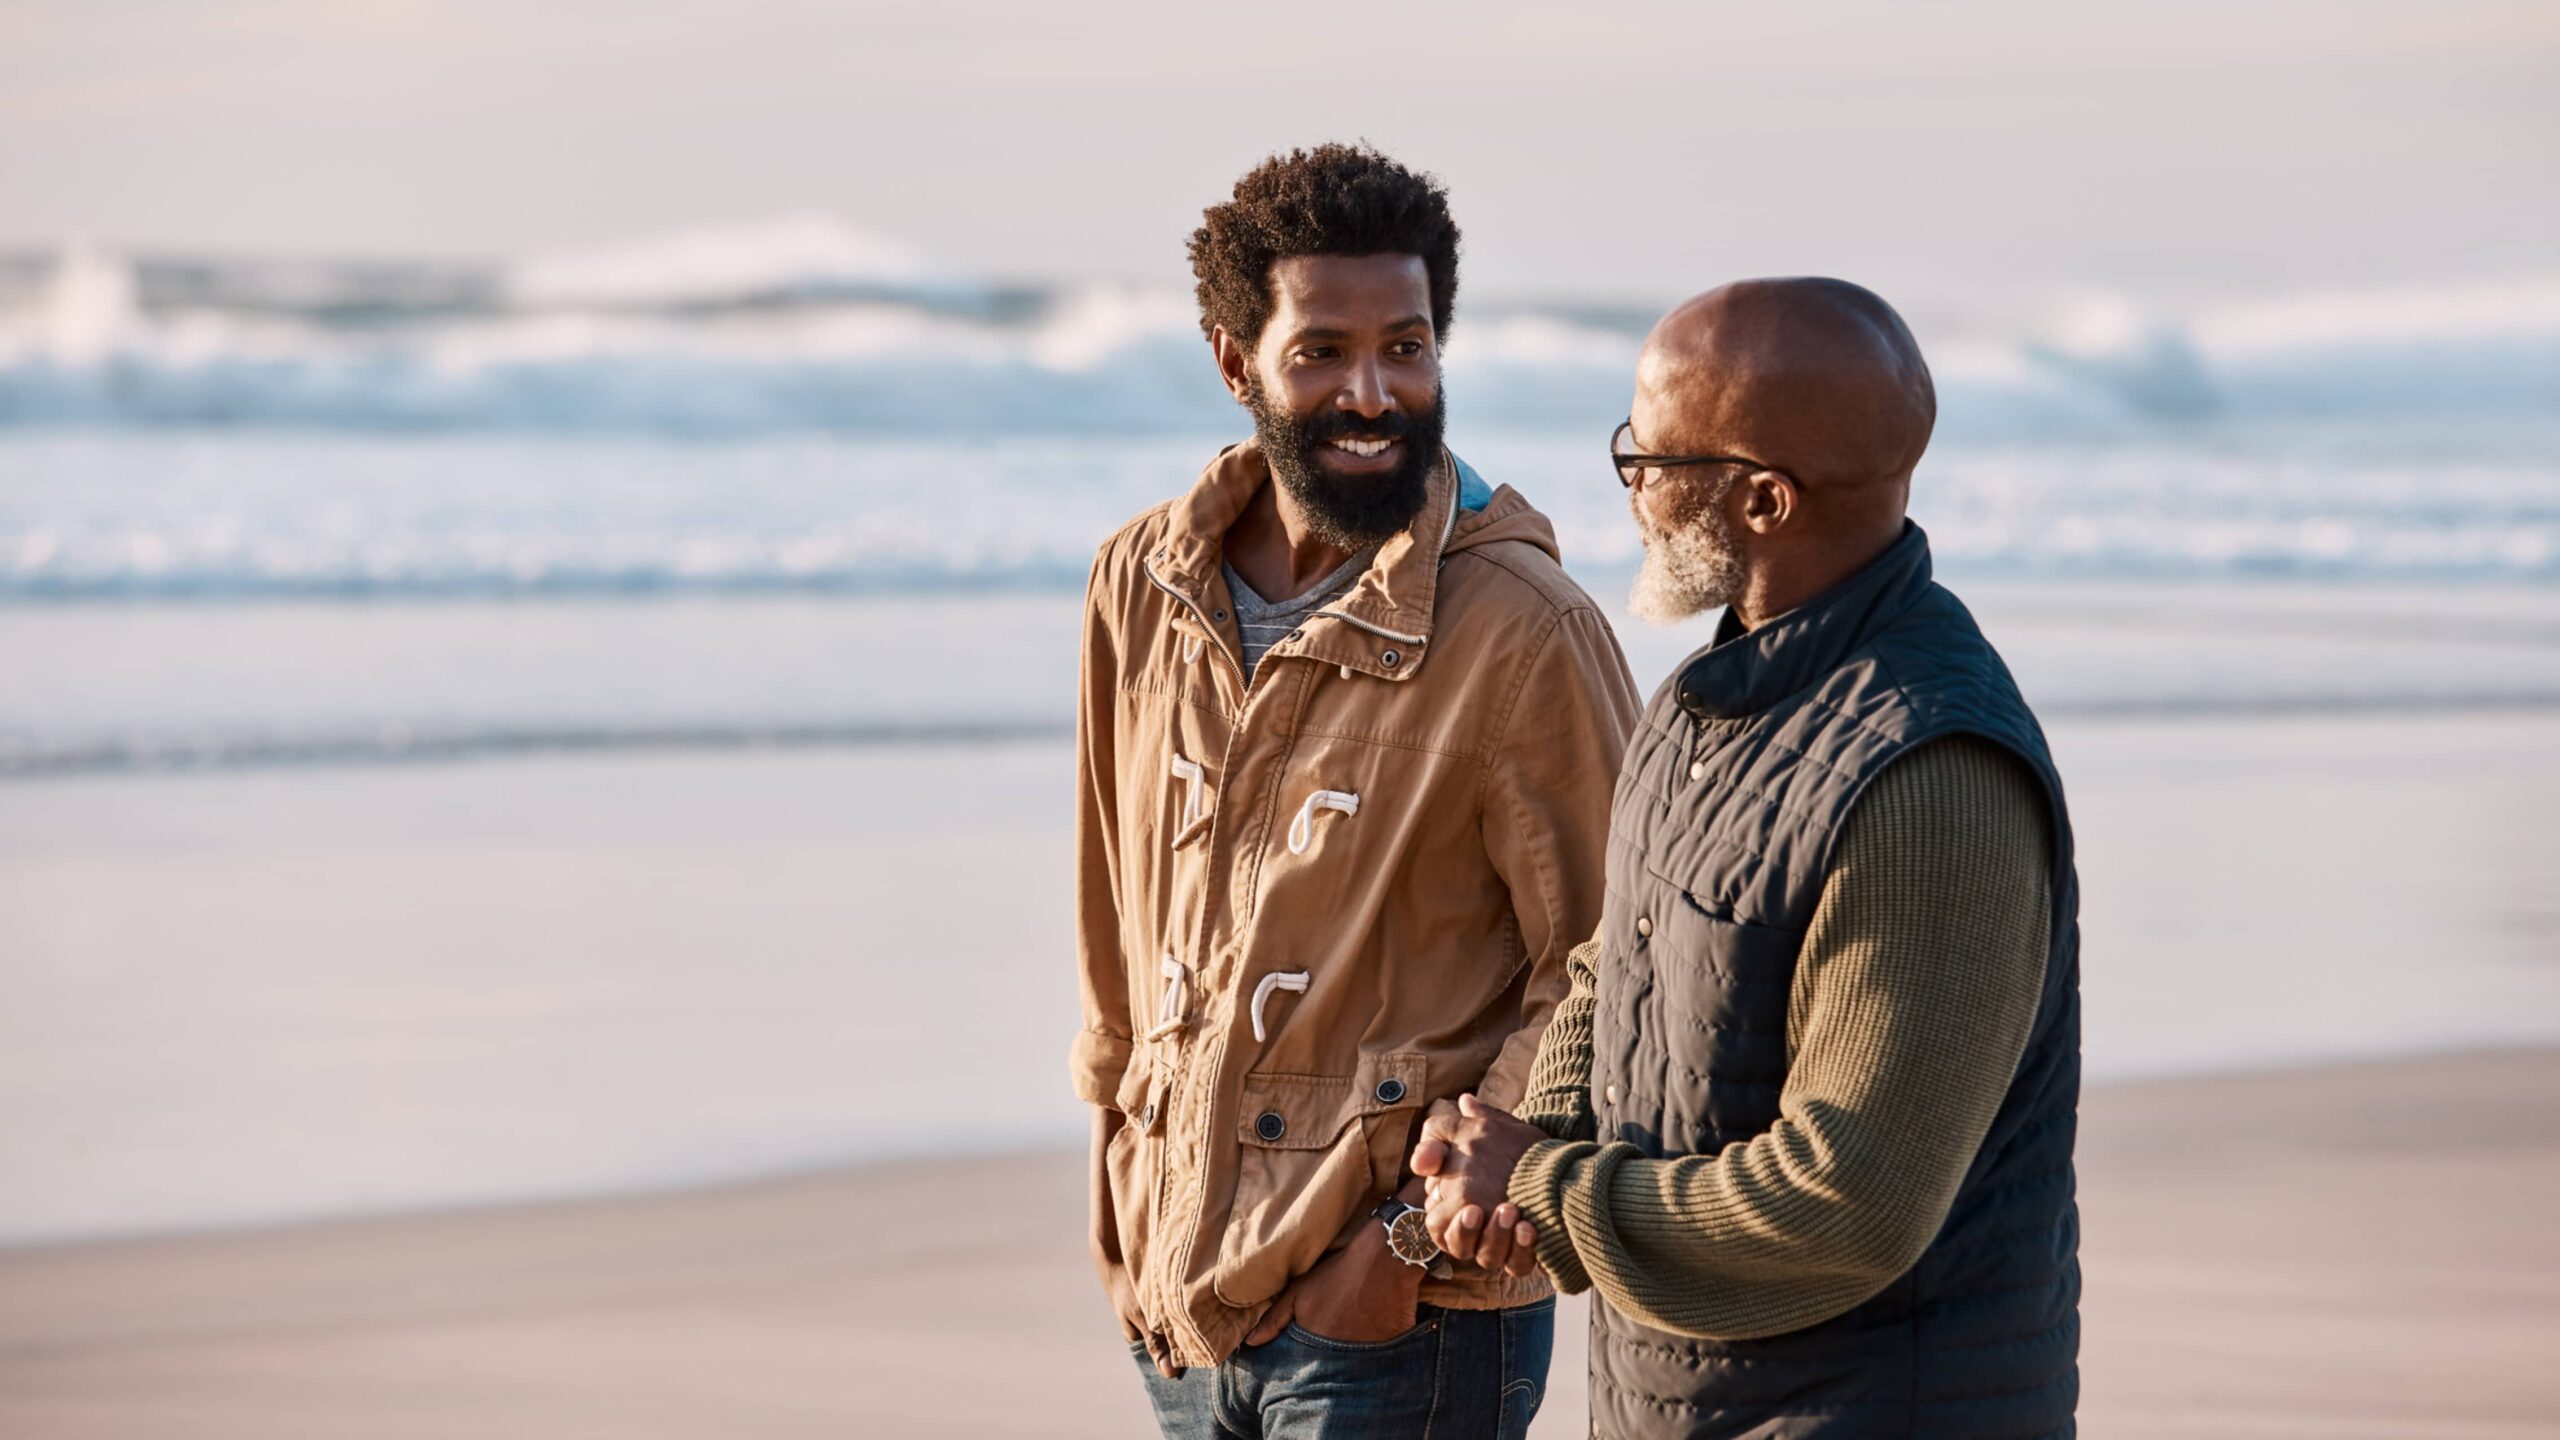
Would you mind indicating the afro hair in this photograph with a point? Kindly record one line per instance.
(1331, 200)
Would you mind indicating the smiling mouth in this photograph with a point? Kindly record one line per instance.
(1365, 449)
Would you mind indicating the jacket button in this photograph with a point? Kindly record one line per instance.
(1270, 1126)
(1644, 925)
(1612, 1093)
(1390, 1090)
(1697, 769)
(1147, 1117)
(1218, 615)
(1390, 659)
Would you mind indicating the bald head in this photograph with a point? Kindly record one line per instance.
(1818, 386)
(1818, 378)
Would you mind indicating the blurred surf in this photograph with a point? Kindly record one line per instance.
(294, 685)
(198, 515)
(861, 419)
(807, 324)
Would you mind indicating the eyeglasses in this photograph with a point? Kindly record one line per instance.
(1630, 463)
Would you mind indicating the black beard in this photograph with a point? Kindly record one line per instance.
(1350, 513)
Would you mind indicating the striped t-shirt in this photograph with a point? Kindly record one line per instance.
(1261, 623)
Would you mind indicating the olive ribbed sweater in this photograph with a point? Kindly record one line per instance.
(1913, 995)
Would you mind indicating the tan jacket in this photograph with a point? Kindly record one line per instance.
(1310, 908)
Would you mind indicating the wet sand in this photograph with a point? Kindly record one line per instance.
(312, 993)
(2348, 1251)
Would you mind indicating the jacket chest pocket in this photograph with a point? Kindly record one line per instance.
(1314, 1150)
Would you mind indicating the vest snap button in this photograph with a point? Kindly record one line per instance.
(1390, 659)
(1697, 769)
(1612, 1092)
(1390, 1090)
(1644, 925)
(1270, 1126)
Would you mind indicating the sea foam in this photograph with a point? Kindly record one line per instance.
(810, 325)
(855, 416)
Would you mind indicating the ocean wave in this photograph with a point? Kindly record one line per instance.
(852, 418)
(88, 516)
(808, 325)
(796, 259)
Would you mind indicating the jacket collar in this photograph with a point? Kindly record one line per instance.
(1746, 671)
(1382, 627)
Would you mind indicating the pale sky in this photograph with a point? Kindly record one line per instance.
(1635, 150)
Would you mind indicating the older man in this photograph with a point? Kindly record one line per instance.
(1805, 1119)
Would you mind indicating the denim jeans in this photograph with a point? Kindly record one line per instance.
(1457, 1375)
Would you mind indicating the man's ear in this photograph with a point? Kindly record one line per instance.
(1769, 500)
(1235, 363)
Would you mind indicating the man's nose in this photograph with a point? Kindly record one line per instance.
(1364, 392)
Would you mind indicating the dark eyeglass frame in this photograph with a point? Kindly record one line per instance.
(1628, 464)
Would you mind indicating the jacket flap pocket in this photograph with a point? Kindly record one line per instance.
(1134, 1083)
(1307, 1112)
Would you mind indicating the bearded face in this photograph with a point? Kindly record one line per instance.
(1690, 564)
(1350, 512)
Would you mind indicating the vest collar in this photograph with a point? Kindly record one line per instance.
(1744, 672)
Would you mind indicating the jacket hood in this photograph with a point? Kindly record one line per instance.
(1508, 516)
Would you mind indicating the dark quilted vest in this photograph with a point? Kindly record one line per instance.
(1734, 792)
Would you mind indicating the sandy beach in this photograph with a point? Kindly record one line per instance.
(2348, 1252)
(257, 997)
(443, 1098)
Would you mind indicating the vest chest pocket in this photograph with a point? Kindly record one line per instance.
(1724, 986)
(1312, 1149)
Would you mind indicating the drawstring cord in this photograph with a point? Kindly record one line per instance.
(1302, 831)
(1294, 981)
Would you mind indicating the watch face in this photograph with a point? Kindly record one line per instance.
(1410, 1239)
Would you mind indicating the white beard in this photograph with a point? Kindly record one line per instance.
(1686, 571)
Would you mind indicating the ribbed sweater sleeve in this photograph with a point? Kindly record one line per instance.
(1912, 999)
(1559, 1098)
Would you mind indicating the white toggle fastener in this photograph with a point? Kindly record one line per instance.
(1302, 831)
(1194, 811)
(1294, 981)
(1190, 648)
(1173, 1011)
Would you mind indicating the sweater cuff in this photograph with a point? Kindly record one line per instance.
(1097, 1063)
(1563, 1114)
(1537, 1187)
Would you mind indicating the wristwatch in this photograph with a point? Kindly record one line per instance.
(1409, 1240)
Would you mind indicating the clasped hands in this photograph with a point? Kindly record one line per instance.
(1362, 1294)
(1466, 1156)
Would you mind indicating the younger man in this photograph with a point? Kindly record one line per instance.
(1347, 741)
